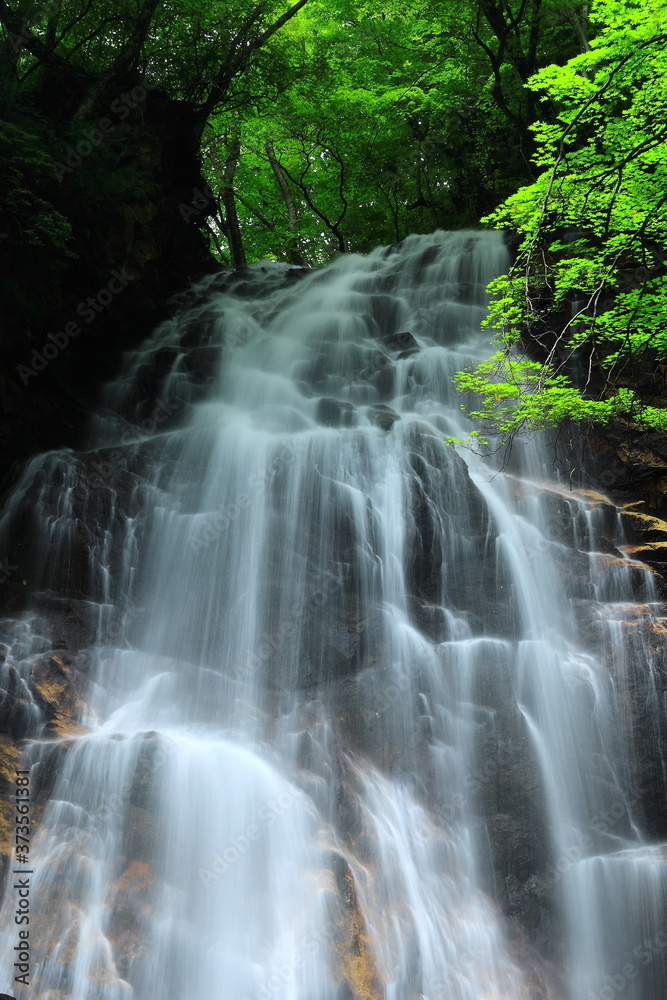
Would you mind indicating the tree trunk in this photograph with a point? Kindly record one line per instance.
(293, 253)
(228, 196)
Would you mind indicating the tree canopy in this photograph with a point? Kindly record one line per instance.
(324, 126)
(327, 125)
(586, 299)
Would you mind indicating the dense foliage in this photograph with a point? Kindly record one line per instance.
(384, 121)
(587, 295)
(329, 125)
(324, 125)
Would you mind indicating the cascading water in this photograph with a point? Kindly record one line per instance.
(358, 719)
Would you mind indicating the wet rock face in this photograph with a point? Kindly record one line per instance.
(335, 413)
(647, 541)
(130, 904)
(57, 682)
(620, 459)
(42, 694)
(403, 343)
(143, 800)
(451, 546)
(506, 786)
(15, 707)
(350, 958)
(69, 529)
(383, 416)
(632, 642)
(457, 586)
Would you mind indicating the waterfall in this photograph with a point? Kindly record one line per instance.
(346, 713)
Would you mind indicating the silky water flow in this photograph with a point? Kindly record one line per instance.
(345, 733)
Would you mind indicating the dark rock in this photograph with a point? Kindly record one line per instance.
(382, 416)
(404, 342)
(202, 363)
(71, 624)
(335, 413)
(143, 808)
(383, 382)
(635, 644)
(647, 538)
(48, 767)
(15, 709)
(345, 640)
(623, 460)
(508, 789)
(295, 274)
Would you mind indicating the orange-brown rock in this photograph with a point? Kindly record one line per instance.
(57, 687)
(351, 958)
(130, 903)
(9, 761)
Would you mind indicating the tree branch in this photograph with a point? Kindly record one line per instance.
(240, 54)
(20, 35)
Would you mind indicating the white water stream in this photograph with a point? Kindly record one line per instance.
(341, 709)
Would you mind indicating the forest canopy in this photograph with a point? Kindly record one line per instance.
(324, 126)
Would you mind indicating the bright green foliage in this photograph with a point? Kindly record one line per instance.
(587, 296)
(388, 122)
(517, 395)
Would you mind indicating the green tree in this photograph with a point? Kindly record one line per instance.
(385, 124)
(583, 311)
(95, 97)
(325, 125)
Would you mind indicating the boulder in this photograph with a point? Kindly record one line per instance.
(403, 342)
(335, 412)
(382, 416)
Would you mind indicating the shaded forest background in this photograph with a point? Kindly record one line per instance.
(146, 143)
